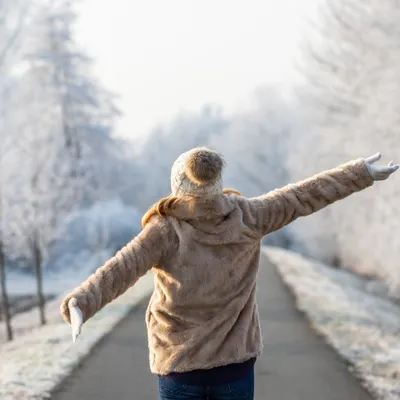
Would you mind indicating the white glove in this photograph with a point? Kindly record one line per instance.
(379, 172)
(76, 318)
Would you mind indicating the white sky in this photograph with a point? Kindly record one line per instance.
(164, 56)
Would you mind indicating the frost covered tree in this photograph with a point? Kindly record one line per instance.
(13, 16)
(4, 302)
(86, 110)
(61, 120)
(350, 65)
(42, 194)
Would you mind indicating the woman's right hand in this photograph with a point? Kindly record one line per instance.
(76, 318)
(379, 172)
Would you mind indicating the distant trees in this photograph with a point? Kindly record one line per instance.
(165, 143)
(254, 143)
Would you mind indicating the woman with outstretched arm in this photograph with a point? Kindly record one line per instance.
(203, 245)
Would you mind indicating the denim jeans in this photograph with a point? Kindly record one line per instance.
(242, 389)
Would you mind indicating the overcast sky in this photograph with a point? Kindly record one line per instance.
(164, 56)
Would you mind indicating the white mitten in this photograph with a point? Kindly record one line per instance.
(76, 318)
(379, 172)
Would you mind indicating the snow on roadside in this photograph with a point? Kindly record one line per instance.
(40, 358)
(363, 327)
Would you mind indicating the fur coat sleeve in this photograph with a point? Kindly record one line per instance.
(120, 272)
(280, 207)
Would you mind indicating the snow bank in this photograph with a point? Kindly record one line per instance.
(361, 324)
(40, 357)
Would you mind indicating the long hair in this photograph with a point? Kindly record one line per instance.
(164, 205)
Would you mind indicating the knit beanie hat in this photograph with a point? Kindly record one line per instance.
(198, 172)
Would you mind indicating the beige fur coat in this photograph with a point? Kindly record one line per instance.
(205, 257)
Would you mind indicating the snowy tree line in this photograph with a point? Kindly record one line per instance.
(57, 153)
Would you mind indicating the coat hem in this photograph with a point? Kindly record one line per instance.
(194, 367)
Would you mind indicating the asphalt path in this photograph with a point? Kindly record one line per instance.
(296, 364)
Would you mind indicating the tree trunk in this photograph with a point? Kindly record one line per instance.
(5, 307)
(39, 282)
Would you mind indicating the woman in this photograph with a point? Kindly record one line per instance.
(203, 245)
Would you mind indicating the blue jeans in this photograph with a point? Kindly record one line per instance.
(242, 389)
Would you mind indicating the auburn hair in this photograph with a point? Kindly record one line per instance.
(165, 204)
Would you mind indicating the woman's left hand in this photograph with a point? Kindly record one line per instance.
(76, 317)
(380, 172)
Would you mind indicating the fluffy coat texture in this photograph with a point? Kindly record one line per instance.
(205, 257)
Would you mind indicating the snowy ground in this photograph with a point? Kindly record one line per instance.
(21, 286)
(40, 357)
(354, 316)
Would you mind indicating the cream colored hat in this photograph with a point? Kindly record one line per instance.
(198, 172)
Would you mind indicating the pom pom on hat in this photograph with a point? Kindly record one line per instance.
(204, 166)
